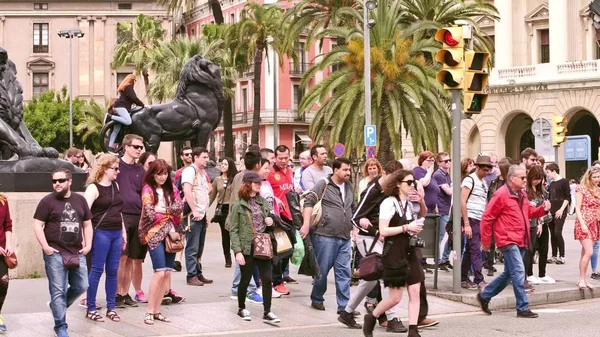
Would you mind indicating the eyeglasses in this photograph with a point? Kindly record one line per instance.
(137, 147)
(523, 178)
(430, 160)
(116, 168)
(187, 154)
(446, 161)
(409, 182)
(60, 180)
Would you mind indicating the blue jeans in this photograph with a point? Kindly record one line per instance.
(161, 260)
(65, 286)
(122, 117)
(106, 250)
(195, 246)
(514, 270)
(444, 255)
(594, 260)
(237, 277)
(337, 253)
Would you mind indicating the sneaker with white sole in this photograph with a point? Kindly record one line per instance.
(244, 314)
(233, 297)
(533, 279)
(547, 280)
(270, 318)
(274, 294)
(254, 297)
(561, 260)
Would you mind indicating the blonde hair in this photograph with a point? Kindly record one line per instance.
(586, 181)
(3, 199)
(129, 80)
(103, 162)
(371, 162)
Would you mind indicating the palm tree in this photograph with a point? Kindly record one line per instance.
(406, 98)
(188, 5)
(91, 123)
(135, 45)
(257, 26)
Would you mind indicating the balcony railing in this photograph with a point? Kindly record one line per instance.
(546, 72)
(240, 117)
(248, 72)
(298, 69)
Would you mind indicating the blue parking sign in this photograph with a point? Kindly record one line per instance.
(370, 135)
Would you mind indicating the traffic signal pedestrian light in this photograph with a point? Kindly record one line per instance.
(476, 81)
(559, 130)
(451, 57)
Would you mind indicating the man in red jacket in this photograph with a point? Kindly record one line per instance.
(509, 212)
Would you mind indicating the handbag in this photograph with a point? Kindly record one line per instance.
(284, 244)
(371, 266)
(317, 210)
(173, 242)
(261, 242)
(11, 260)
(218, 216)
(70, 260)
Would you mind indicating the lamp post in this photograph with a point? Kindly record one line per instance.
(274, 70)
(70, 34)
(367, 25)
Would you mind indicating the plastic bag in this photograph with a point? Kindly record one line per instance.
(298, 254)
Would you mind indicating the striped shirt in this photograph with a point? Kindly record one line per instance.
(478, 199)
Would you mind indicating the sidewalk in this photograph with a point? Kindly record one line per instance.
(564, 290)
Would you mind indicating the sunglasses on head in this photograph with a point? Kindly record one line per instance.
(137, 147)
(60, 180)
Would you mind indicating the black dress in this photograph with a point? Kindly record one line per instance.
(398, 254)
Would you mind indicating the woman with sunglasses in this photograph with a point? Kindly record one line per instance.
(402, 263)
(221, 192)
(587, 196)
(110, 237)
(161, 215)
(535, 195)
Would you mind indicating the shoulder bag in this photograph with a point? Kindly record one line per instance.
(317, 210)
(218, 216)
(261, 242)
(173, 242)
(371, 266)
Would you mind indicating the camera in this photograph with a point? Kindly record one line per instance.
(416, 242)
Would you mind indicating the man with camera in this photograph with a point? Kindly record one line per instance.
(509, 213)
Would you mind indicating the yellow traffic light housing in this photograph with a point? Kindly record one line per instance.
(451, 57)
(474, 103)
(476, 61)
(475, 82)
(559, 130)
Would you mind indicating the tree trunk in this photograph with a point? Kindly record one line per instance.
(258, 55)
(211, 141)
(147, 84)
(217, 11)
(228, 128)
(385, 152)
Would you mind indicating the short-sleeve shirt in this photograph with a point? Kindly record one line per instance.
(311, 176)
(478, 199)
(63, 219)
(431, 191)
(391, 206)
(199, 187)
(444, 201)
(282, 183)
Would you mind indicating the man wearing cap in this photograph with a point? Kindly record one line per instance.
(473, 201)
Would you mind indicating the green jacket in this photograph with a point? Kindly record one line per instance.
(241, 232)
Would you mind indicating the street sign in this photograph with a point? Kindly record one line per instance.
(339, 149)
(370, 135)
(578, 148)
(542, 128)
(371, 152)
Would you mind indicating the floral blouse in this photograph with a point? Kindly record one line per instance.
(155, 226)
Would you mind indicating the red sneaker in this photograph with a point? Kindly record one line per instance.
(281, 289)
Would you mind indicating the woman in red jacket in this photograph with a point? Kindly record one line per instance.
(5, 250)
(587, 196)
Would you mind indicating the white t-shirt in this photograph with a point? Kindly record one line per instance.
(478, 199)
(161, 198)
(342, 187)
(199, 187)
(391, 206)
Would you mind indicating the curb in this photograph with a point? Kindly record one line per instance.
(507, 300)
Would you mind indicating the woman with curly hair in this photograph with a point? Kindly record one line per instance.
(105, 202)
(587, 197)
(161, 216)
(371, 170)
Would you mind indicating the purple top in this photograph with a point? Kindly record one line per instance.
(431, 191)
(130, 187)
(490, 177)
(444, 200)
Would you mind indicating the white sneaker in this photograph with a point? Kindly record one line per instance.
(245, 314)
(533, 279)
(271, 318)
(547, 280)
(274, 294)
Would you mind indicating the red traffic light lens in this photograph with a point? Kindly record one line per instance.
(449, 39)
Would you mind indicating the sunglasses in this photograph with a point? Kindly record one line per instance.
(137, 147)
(446, 161)
(61, 180)
(409, 182)
(116, 168)
(187, 154)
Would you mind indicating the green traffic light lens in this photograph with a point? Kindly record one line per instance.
(475, 103)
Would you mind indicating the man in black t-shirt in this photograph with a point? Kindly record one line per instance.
(63, 228)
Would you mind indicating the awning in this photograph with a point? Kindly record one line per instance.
(303, 138)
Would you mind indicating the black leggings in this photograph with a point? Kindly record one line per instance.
(530, 253)
(225, 240)
(558, 242)
(3, 282)
(265, 270)
(543, 246)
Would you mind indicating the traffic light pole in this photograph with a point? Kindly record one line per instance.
(456, 182)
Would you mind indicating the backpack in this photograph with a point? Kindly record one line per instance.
(186, 207)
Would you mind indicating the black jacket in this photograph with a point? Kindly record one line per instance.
(368, 207)
(127, 97)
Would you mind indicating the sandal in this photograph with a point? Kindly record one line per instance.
(149, 319)
(589, 286)
(113, 316)
(581, 284)
(94, 316)
(161, 317)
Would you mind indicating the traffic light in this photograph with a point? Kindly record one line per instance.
(476, 81)
(559, 130)
(451, 57)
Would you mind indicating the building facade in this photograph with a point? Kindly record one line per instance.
(280, 88)
(546, 64)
